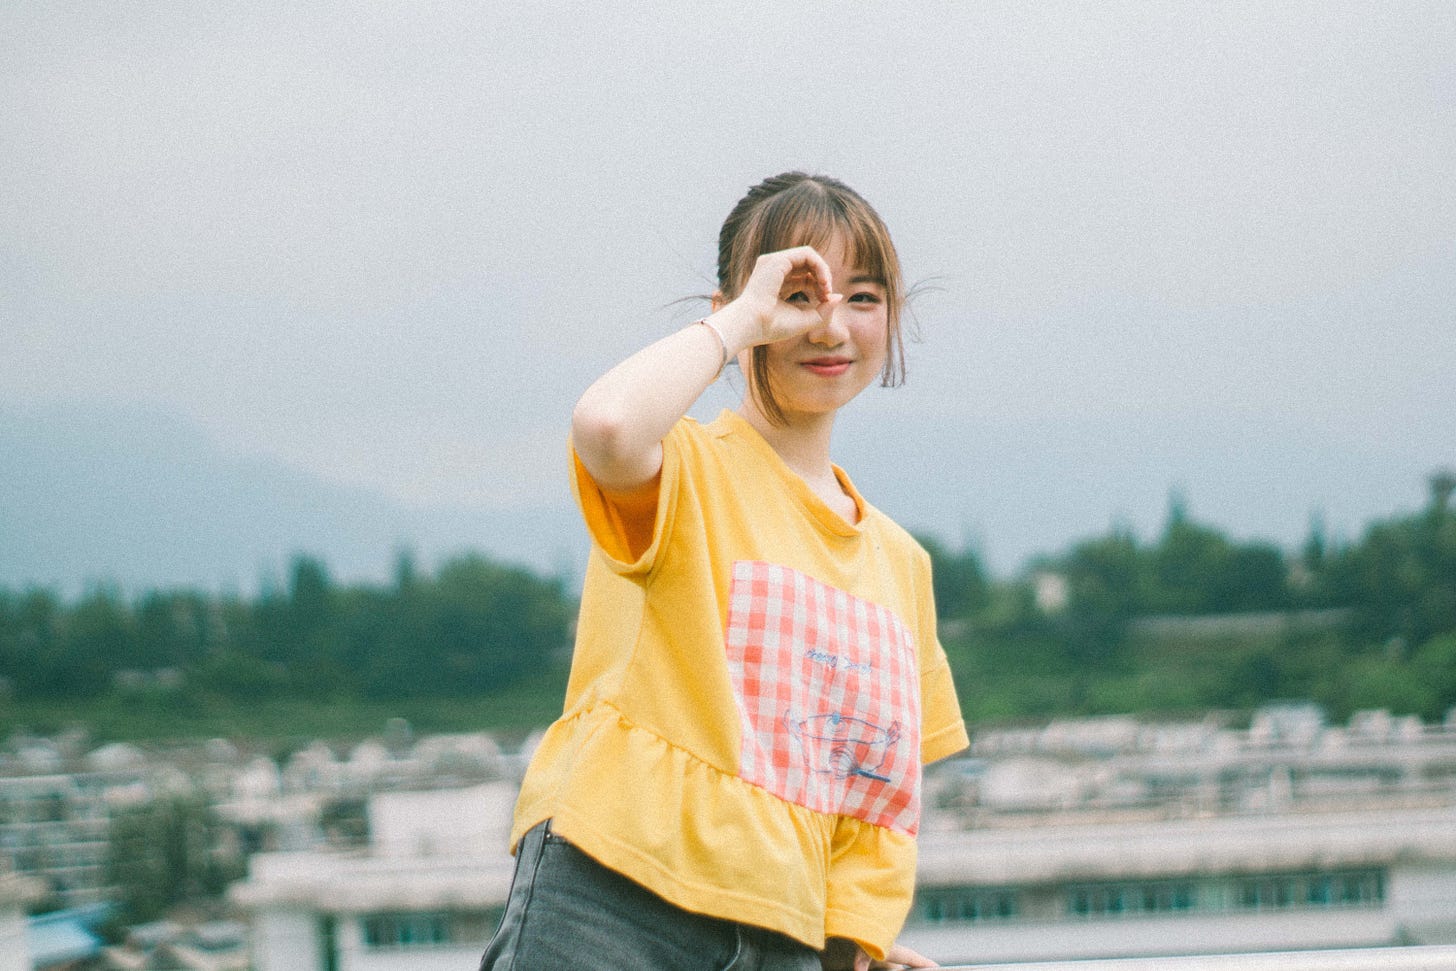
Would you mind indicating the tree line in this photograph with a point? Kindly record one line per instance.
(475, 627)
(1389, 639)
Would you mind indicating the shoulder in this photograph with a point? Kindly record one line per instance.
(694, 443)
(900, 550)
(894, 536)
(725, 442)
(718, 433)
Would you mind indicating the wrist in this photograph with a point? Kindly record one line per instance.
(738, 329)
(722, 342)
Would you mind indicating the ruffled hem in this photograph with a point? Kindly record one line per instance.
(710, 842)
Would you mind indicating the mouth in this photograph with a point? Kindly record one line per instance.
(827, 366)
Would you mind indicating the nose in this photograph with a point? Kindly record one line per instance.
(832, 331)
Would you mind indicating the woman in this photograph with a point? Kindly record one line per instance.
(735, 779)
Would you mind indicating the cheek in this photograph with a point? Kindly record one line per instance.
(873, 336)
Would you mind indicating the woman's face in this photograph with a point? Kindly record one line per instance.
(824, 368)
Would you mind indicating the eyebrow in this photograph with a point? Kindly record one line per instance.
(867, 278)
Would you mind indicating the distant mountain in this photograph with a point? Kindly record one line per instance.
(143, 499)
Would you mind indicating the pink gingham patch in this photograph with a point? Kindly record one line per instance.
(828, 696)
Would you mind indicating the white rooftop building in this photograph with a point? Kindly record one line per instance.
(1096, 839)
(1225, 884)
(426, 894)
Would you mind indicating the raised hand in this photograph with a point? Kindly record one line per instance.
(789, 292)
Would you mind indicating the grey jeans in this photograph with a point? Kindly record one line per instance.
(567, 912)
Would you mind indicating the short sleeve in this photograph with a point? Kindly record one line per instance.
(629, 542)
(943, 730)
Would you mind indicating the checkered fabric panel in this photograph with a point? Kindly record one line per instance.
(828, 694)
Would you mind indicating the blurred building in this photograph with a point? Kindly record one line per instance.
(60, 798)
(1111, 838)
(1097, 838)
(56, 806)
(219, 945)
(425, 894)
(1226, 884)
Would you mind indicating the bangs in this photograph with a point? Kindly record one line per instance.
(809, 214)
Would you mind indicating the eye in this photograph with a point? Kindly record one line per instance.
(798, 296)
(864, 296)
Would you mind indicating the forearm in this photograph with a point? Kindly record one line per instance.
(618, 426)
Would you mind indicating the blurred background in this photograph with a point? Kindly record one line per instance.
(295, 300)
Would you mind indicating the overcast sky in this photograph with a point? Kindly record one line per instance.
(1203, 246)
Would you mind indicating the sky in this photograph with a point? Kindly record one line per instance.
(1207, 248)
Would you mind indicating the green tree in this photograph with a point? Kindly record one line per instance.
(96, 638)
(1254, 576)
(313, 624)
(168, 852)
(1103, 594)
(477, 626)
(1401, 577)
(172, 628)
(1434, 665)
(959, 580)
(1195, 569)
(30, 650)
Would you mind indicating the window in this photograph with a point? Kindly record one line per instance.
(418, 929)
(1268, 892)
(1264, 891)
(1129, 897)
(406, 930)
(938, 905)
(1341, 888)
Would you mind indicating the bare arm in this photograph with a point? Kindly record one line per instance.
(618, 426)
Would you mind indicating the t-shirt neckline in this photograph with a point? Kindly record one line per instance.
(817, 508)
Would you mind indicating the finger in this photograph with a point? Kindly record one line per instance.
(802, 278)
(908, 958)
(824, 277)
(780, 266)
(808, 258)
(803, 292)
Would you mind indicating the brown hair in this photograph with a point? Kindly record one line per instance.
(796, 209)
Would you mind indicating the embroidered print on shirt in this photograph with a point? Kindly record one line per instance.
(828, 696)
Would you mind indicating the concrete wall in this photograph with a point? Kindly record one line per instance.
(14, 952)
(287, 939)
(1424, 898)
(1150, 936)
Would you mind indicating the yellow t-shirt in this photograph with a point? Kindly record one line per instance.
(751, 697)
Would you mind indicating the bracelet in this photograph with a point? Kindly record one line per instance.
(723, 344)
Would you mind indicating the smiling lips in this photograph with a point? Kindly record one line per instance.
(827, 366)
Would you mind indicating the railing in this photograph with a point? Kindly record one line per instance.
(1438, 958)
